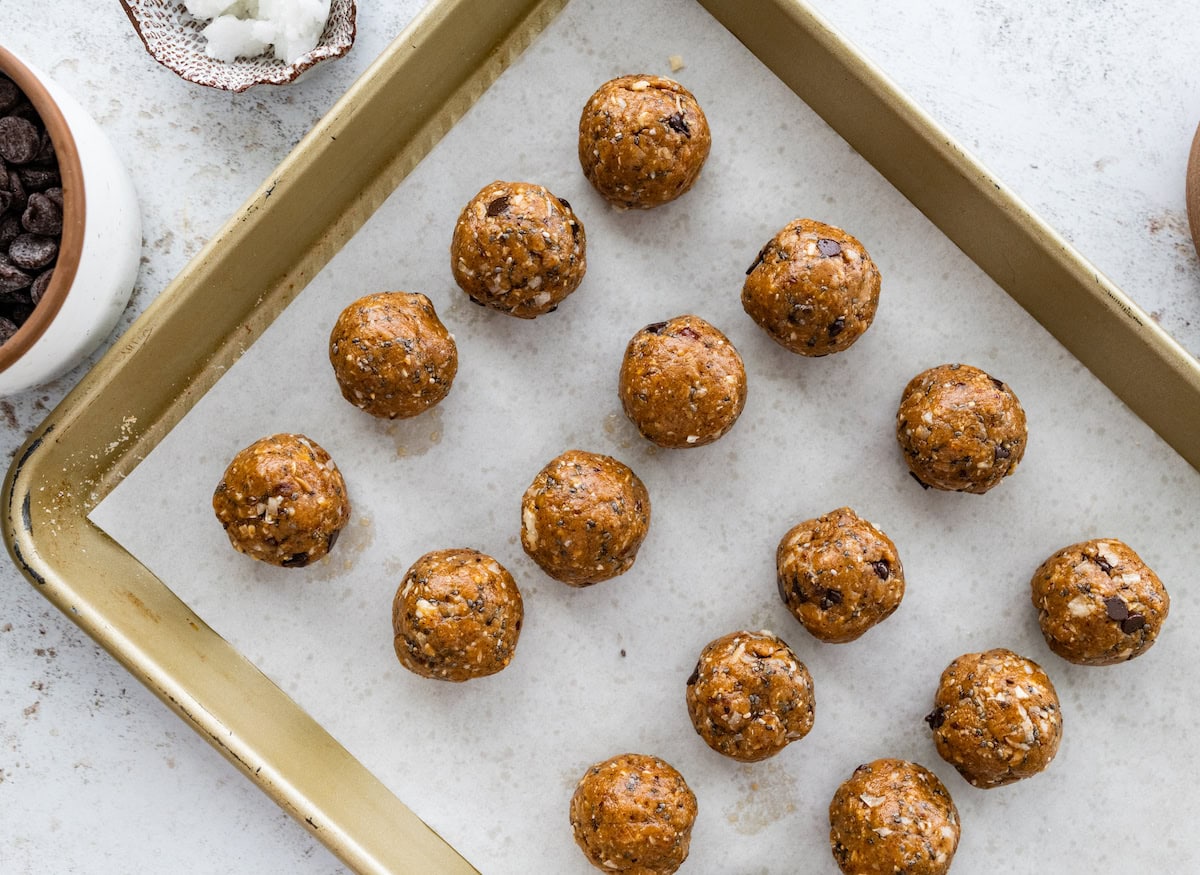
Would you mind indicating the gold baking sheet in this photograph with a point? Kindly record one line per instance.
(321, 194)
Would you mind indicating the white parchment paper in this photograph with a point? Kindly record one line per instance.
(491, 764)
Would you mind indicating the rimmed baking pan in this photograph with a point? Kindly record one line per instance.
(302, 215)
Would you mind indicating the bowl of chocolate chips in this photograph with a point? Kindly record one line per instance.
(70, 230)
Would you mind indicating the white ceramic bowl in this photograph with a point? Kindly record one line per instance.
(101, 241)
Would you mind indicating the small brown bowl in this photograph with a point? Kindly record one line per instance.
(172, 37)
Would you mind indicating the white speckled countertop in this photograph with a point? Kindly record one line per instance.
(1084, 107)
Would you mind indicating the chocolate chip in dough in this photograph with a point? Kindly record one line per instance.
(828, 247)
(1116, 607)
(499, 205)
(935, 718)
(1132, 623)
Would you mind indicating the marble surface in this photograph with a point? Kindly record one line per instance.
(1085, 117)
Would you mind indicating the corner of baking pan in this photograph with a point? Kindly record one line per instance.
(309, 206)
(1116, 340)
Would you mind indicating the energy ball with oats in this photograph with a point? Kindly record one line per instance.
(749, 696)
(839, 575)
(961, 429)
(391, 355)
(996, 718)
(682, 383)
(813, 288)
(1098, 603)
(642, 140)
(519, 249)
(282, 500)
(893, 816)
(584, 517)
(456, 615)
(633, 813)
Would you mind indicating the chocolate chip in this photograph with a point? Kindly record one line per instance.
(19, 196)
(46, 154)
(24, 110)
(42, 216)
(882, 568)
(999, 384)
(1002, 452)
(32, 251)
(14, 298)
(566, 203)
(694, 676)
(762, 253)
(936, 718)
(677, 123)
(828, 248)
(1116, 608)
(296, 560)
(688, 331)
(20, 140)
(575, 230)
(837, 326)
(655, 327)
(333, 536)
(7, 329)
(19, 313)
(39, 285)
(924, 485)
(1132, 623)
(10, 230)
(498, 206)
(830, 598)
(35, 179)
(1103, 563)
(13, 278)
(10, 94)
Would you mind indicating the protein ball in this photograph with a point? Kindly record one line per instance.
(893, 816)
(642, 140)
(584, 517)
(1098, 603)
(391, 355)
(282, 500)
(961, 429)
(839, 575)
(996, 718)
(519, 249)
(749, 696)
(633, 813)
(682, 383)
(813, 288)
(456, 615)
